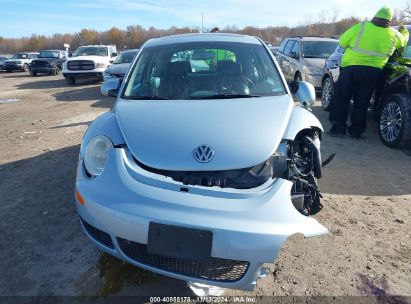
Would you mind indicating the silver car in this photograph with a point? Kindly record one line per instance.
(303, 58)
(201, 174)
(121, 65)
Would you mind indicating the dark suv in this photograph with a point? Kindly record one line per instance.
(48, 62)
(391, 103)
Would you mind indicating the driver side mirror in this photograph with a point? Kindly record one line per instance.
(70, 54)
(304, 93)
(111, 87)
(294, 55)
(113, 54)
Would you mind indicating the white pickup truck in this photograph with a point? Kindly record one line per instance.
(89, 61)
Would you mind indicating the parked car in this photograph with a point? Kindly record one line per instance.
(201, 175)
(391, 103)
(89, 61)
(303, 58)
(2, 60)
(20, 62)
(330, 76)
(121, 65)
(48, 62)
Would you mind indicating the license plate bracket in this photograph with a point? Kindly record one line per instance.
(179, 242)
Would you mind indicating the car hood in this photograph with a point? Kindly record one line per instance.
(118, 69)
(14, 60)
(93, 58)
(315, 62)
(163, 134)
(50, 60)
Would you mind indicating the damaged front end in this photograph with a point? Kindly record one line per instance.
(298, 161)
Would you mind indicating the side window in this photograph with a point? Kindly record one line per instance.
(282, 46)
(289, 47)
(296, 49)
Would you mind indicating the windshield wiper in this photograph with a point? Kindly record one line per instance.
(147, 97)
(225, 96)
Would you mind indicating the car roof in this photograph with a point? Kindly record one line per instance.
(202, 37)
(313, 38)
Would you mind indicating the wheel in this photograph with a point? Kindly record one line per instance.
(25, 68)
(71, 81)
(327, 93)
(33, 73)
(298, 77)
(394, 121)
(56, 71)
(8, 71)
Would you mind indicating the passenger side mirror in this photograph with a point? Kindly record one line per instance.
(110, 87)
(304, 92)
(294, 55)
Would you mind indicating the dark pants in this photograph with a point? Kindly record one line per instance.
(356, 82)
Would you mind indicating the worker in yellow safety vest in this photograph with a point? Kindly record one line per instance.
(368, 45)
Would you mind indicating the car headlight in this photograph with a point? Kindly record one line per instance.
(99, 64)
(96, 154)
(65, 65)
(312, 71)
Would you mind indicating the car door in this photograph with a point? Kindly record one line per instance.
(294, 60)
(286, 66)
(279, 55)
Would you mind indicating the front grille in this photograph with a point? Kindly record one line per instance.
(40, 64)
(100, 236)
(215, 269)
(80, 65)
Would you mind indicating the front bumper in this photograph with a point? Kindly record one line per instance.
(248, 226)
(13, 67)
(315, 80)
(46, 70)
(95, 73)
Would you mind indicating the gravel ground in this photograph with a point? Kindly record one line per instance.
(367, 194)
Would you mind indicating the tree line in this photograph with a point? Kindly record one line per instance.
(134, 36)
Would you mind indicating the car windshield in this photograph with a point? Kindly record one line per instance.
(3, 58)
(49, 54)
(91, 51)
(22, 56)
(318, 49)
(125, 57)
(204, 70)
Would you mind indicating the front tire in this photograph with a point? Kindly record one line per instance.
(34, 74)
(327, 93)
(394, 121)
(71, 81)
(25, 68)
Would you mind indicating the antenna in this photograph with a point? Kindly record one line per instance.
(202, 22)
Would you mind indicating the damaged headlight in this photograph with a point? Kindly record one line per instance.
(96, 155)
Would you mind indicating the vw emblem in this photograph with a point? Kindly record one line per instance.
(203, 153)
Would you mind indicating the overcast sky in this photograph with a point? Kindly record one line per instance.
(25, 17)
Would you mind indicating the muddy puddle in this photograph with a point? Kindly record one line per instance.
(115, 274)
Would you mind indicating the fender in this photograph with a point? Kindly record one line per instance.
(106, 125)
(300, 119)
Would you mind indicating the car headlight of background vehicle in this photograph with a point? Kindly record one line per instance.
(99, 64)
(96, 154)
(312, 71)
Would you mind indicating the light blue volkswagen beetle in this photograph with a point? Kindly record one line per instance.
(205, 166)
